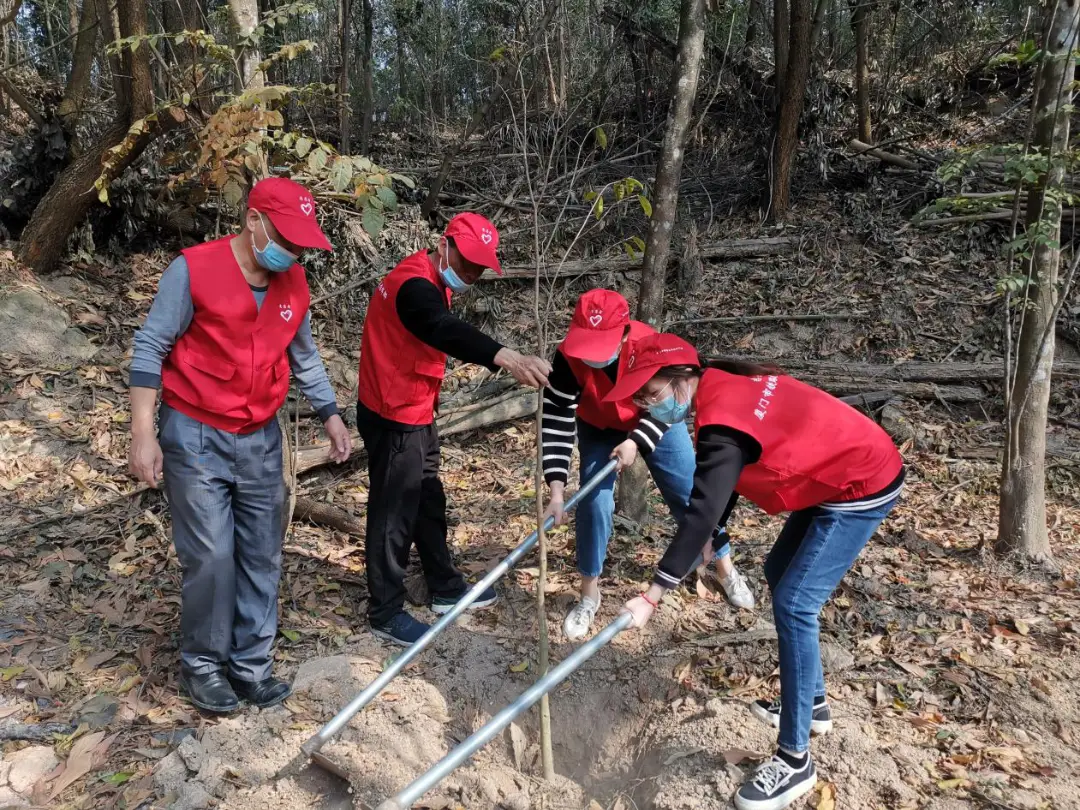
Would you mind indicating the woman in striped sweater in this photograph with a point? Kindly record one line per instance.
(583, 372)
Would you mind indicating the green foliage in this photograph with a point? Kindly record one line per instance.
(1028, 53)
(247, 135)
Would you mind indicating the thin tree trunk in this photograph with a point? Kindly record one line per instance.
(344, 111)
(367, 80)
(781, 44)
(70, 109)
(792, 100)
(860, 23)
(53, 50)
(821, 13)
(564, 62)
(183, 15)
(109, 23)
(1022, 519)
(399, 55)
(244, 17)
(754, 13)
(665, 201)
(481, 114)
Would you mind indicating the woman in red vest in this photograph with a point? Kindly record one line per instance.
(787, 447)
(583, 372)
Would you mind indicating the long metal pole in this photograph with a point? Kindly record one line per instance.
(330, 730)
(484, 735)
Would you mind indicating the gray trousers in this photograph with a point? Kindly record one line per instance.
(226, 497)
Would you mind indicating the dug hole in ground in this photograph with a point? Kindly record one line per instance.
(641, 724)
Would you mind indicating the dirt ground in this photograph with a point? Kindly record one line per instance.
(951, 673)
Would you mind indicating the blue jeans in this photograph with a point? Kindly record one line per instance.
(672, 466)
(813, 552)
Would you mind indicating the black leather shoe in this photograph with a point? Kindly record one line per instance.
(265, 693)
(210, 692)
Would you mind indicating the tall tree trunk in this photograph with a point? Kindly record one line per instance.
(792, 100)
(367, 78)
(243, 17)
(781, 44)
(1022, 519)
(70, 109)
(665, 201)
(860, 23)
(132, 15)
(344, 111)
(754, 13)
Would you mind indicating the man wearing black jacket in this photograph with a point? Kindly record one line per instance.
(408, 334)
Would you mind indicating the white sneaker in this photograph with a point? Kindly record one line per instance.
(737, 591)
(580, 618)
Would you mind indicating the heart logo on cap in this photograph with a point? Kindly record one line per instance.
(595, 320)
(286, 312)
(485, 236)
(631, 360)
(307, 208)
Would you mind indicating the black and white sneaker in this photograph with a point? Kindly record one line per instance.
(768, 711)
(776, 784)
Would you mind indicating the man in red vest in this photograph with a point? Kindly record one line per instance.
(408, 334)
(229, 322)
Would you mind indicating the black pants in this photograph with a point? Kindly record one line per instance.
(406, 505)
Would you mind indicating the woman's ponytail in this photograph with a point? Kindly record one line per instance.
(743, 368)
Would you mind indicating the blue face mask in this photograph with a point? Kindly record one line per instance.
(273, 257)
(452, 280)
(669, 411)
(603, 363)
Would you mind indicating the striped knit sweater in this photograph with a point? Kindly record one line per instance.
(559, 425)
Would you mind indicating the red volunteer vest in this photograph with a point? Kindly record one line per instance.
(814, 448)
(400, 376)
(595, 385)
(230, 369)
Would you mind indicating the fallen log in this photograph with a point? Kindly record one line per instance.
(502, 409)
(909, 372)
(861, 148)
(912, 390)
(326, 514)
(727, 249)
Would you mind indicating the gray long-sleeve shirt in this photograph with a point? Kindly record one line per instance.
(171, 314)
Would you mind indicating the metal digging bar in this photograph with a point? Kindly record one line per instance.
(484, 735)
(330, 730)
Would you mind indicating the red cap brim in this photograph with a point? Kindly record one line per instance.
(478, 253)
(592, 344)
(301, 231)
(630, 382)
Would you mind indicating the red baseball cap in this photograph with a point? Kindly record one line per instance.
(643, 358)
(599, 322)
(476, 239)
(291, 208)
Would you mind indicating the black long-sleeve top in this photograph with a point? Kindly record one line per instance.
(422, 308)
(722, 452)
